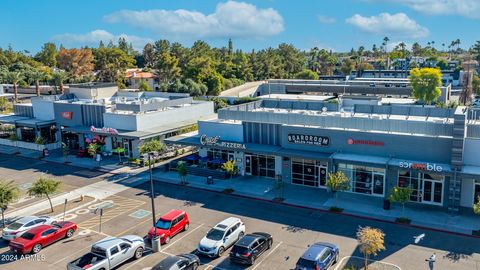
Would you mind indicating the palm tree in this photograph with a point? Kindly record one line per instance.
(58, 79)
(37, 76)
(14, 77)
(385, 41)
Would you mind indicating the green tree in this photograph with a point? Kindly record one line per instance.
(167, 67)
(92, 149)
(230, 168)
(292, 60)
(182, 172)
(37, 76)
(425, 83)
(370, 241)
(442, 64)
(5, 106)
(149, 55)
(476, 206)
(338, 182)
(59, 78)
(14, 77)
(476, 84)
(112, 63)
(151, 146)
(401, 195)
(9, 193)
(47, 55)
(306, 74)
(347, 66)
(143, 86)
(45, 186)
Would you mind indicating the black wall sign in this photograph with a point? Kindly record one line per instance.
(309, 139)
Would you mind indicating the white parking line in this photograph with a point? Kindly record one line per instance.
(271, 251)
(339, 263)
(183, 236)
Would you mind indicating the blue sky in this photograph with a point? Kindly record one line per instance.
(332, 24)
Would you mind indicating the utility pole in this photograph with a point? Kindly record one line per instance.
(156, 241)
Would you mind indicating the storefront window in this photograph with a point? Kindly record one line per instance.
(225, 155)
(309, 172)
(363, 179)
(260, 165)
(426, 187)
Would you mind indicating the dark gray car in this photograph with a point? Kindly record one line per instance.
(178, 262)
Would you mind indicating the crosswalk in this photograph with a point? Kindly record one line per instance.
(121, 206)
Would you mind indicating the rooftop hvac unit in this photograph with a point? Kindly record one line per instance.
(324, 109)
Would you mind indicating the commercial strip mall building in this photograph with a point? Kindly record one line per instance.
(102, 114)
(434, 151)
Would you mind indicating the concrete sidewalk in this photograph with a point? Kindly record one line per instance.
(99, 190)
(353, 204)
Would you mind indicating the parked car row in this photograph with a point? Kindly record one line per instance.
(32, 234)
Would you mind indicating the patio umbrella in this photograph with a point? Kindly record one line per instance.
(218, 161)
(193, 157)
(205, 159)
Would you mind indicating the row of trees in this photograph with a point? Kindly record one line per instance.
(200, 69)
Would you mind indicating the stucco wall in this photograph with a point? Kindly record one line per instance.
(226, 131)
(433, 149)
(471, 155)
(43, 109)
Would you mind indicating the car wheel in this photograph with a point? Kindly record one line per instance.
(138, 253)
(69, 233)
(252, 260)
(240, 235)
(167, 239)
(36, 248)
(220, 251)
(195, 266)
(185, 228)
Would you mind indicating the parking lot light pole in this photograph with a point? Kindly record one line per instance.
(155, 240)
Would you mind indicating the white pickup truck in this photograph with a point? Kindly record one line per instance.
(109, 253)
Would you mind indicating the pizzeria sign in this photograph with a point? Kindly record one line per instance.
(215, 141)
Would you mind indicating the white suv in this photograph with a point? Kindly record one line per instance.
(221, 237)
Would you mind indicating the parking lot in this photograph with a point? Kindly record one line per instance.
(293, 229)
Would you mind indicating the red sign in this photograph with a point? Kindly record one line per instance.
(365, 142)
(66, 115)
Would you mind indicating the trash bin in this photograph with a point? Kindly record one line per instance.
(386, 204)
(156, 245)
(209, 180)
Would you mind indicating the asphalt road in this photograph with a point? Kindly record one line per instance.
(293, 229)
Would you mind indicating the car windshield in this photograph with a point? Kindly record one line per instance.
(163, 224)
(239, 249)
(215, 234)
(28, 236)
(306, 263)
(15, 226)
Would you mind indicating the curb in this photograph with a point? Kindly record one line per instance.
(324, 210)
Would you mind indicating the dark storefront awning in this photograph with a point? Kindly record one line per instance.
(33, 122)
(11, 119)
(471, 170)
(361, 158)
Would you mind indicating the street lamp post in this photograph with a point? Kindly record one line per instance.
(155, 239)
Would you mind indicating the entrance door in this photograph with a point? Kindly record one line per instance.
(432, 192)
(255, 165)
(231, 157)
(126, 146)
(378, 183)
(248, 165)
(322, 175)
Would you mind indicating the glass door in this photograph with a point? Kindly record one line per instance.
(322, 175)
(248, 165)
(378, 183)
(432, 192)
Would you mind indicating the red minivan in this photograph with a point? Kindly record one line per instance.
(170, 224)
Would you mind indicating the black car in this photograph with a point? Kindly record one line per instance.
(249, 247)
(179, 262)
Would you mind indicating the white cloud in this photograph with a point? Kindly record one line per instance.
(396, 25)
(466, 8)
(94, 37)
(325, 19)
(230, 19)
